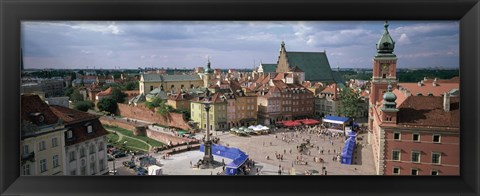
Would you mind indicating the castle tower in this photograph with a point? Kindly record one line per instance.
(384, 70)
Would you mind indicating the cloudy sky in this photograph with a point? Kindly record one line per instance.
(188, 44)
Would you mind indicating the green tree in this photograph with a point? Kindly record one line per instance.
(76, 96)
(155, 102)
(160, 104)
(108, 105)
(118, 95)
(83, 105)
(68, 91)
(164, 108)
(131, 86)
(349, 103)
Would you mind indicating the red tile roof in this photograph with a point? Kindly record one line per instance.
(106, 92)
(426, 88)
(76, 121)
(428, 111)
(31, 104)
(71, 116)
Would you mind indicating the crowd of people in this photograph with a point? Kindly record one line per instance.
(308, 151)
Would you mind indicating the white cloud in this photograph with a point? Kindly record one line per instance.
(103, 28)
(403, 39)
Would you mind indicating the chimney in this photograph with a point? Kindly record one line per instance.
(446, 102)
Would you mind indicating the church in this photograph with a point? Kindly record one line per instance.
(307, 66)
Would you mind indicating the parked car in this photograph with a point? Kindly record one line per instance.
(119, 154)
(129, 164)
(110, 157)
(141, 171)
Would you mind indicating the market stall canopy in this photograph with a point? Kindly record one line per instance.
(291, 123)
(336, 119)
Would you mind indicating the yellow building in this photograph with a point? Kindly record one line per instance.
(42, 139)
(169, 83)
(218, 112)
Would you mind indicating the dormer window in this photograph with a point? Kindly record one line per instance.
(89, 129)
(69, 134)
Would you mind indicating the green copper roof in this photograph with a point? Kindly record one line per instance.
(314, 64)
(269, 68)
(386, 44)
(208, 70)
(389, 96)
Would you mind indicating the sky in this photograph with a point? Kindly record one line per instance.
(231, 44)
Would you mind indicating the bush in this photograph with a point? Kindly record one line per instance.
(108, 105)
(83, 105)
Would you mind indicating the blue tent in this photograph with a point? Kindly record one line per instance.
(347, 152)
(335, 119)
(239, 157)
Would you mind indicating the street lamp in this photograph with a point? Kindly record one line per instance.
(208, 157)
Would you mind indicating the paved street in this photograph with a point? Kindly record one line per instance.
(258, 147)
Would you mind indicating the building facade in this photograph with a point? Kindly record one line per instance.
(42, 143)
(411, 134)
(85, 142)
(218, 112)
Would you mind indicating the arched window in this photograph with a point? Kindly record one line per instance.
(191, 86)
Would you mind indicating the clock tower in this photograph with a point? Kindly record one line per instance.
(384, 70)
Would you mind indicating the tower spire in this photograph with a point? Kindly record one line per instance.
(385, 45)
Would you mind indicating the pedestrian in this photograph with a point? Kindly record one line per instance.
(191, 164)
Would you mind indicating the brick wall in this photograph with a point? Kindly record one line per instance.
(143, 113)
(137, 130)
(165, 138)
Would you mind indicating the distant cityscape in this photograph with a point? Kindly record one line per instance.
(298, 115)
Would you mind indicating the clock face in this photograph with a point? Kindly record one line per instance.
(385, 66)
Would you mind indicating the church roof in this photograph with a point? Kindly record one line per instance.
(314, 64)
(268, 68)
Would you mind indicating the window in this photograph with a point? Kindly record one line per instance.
(101, 162)
(396, 136)
(73, 172)
(396, 155)
(92, 149)
(82, 152)
(436, 138)
(43, 165)
(416, 137)
(26, 169)
(434, 173)
(89, 128)
(396, 170)
(414, 172)
(100, 146)
(415, 156)
(92, 168)
(72, 156)
(69, 134)
(55, 161)
(436, 157)
(25, 149)
(41, 145)
(83, 170)
(54, 142)
(151, 88)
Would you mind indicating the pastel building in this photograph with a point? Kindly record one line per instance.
(42, 143)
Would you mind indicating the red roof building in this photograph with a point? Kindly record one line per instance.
(414, 128)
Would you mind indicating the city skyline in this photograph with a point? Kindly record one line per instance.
(188, 44)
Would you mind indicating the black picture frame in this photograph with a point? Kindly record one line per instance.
(12, 12)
